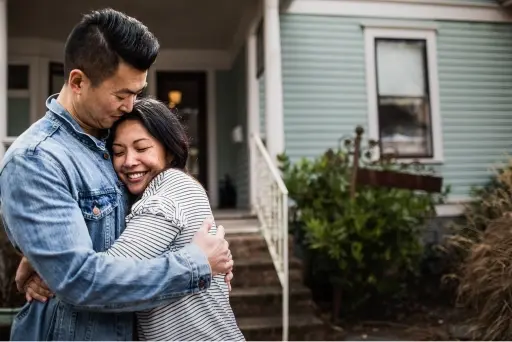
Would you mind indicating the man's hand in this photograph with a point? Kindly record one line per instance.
(23, 273)
(215, 247)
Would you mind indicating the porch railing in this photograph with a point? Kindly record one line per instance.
(272, 210)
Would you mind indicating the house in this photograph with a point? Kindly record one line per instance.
(431, 79)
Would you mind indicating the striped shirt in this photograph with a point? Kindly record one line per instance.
(170, 211)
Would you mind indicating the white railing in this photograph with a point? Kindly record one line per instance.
(272, 210)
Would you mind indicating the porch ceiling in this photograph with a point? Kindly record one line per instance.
(178, 24)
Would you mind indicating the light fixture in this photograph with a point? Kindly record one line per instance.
(174, 98)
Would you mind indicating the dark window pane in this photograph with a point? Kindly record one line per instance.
(405, 127)
(56, 78)
(18, 116)
(17, 77)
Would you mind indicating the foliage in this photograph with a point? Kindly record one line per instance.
(484, 248)
(370, 243)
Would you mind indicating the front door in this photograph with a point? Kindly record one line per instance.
(185, 92)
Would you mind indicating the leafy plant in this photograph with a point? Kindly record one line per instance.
(370, 243)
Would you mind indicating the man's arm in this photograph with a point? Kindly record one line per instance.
(45, 222)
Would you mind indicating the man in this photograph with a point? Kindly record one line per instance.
(61, 200)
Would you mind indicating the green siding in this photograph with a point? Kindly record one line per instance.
(325, 91)
(225, 122)
(232, 158)
(242, 149)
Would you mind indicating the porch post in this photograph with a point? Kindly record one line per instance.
(253, 126)
(273, 79)
(3, 75)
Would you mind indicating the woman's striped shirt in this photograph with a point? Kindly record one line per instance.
(170, 211)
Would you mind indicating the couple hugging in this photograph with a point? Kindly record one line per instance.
(94, 269)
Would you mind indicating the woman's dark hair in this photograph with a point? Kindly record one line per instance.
(162, 124)
(102, 39)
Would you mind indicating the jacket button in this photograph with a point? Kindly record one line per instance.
(106, 156)
(96, 211)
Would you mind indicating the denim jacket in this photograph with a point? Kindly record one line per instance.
(62, 203)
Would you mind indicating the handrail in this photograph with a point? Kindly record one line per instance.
(272, 210)
(272, 167)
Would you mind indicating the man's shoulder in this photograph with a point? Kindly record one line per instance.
(36, 143)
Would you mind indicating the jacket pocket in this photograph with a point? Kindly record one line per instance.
(97, 204)
(99, 211)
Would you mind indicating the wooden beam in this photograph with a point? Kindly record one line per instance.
(400, 180)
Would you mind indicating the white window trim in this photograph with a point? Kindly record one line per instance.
(429, 35)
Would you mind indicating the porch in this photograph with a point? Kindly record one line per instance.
(208, 67)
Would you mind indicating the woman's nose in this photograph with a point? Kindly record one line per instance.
(130, 160)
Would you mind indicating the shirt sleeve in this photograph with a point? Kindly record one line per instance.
(45, 221)
(150, 229)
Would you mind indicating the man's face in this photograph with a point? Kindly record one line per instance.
(100, 106)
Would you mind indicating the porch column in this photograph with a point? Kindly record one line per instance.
(273, 79)
(253, 114)
(3, 75)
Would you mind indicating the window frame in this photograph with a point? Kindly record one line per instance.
(30, 93)
(371, 35)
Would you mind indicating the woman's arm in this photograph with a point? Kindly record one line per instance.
(150, 230)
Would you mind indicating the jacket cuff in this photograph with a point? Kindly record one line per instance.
(201, 270)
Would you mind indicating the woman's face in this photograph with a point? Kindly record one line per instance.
(138, 156)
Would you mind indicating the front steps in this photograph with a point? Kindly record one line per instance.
(256, 296)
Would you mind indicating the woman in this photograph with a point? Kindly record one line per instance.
(150, 151)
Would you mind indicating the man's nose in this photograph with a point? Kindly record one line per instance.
(127, 105)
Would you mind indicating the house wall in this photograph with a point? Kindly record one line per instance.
(233, 157)
(325, 90)
(225, 123)
(241, 148)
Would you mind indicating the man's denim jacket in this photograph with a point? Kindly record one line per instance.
(61, 203)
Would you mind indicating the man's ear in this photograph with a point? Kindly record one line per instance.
(77, 79)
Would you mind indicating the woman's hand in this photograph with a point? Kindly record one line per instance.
(36, 288)
(228, 278)
(23, 273)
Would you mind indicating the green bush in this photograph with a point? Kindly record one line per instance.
(369, 244)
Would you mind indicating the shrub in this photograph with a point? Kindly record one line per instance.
(484, 248)
(369, 244)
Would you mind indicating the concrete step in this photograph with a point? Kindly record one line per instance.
(239, 226)
(233, 214)
(267, 301)
(251, 246)
(255, 272)
(301, 328)
(244, 246)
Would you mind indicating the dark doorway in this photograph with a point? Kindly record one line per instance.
(186, 93)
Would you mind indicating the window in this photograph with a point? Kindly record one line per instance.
(18, 101)
(56, 80)
(403, 98)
